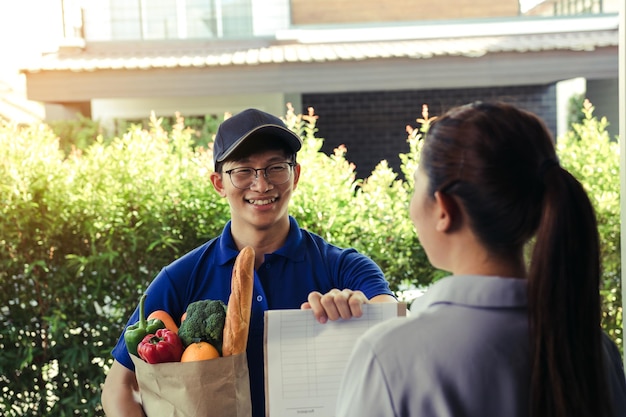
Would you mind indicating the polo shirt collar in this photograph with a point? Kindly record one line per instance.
(292, 249)
(474, 291)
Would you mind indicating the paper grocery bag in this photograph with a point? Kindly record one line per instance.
(217, 387)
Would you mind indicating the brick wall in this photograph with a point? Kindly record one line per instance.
(372, 124)
(307, 12)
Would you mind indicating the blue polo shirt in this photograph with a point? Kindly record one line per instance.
(304, 264)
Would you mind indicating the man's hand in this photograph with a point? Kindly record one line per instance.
(120, 393)
(335, 304)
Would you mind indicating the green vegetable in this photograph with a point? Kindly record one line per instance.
(204, 322)
(135, 333)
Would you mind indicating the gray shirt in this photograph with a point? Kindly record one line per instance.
(463, 352)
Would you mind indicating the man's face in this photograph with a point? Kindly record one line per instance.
(263, 203)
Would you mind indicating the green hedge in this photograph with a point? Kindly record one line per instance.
(83, 233)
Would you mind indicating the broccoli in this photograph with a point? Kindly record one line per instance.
(204, 322)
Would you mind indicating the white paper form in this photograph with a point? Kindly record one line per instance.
(305, 360)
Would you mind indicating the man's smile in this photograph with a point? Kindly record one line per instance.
(259, 202)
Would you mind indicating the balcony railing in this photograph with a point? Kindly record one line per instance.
(577, 7)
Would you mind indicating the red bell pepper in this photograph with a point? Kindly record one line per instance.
(162, 346)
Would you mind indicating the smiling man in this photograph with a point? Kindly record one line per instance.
(256, 170)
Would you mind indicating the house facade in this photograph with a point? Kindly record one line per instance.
(367, 67)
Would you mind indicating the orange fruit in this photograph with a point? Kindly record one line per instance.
(199, 351)
(165, 317)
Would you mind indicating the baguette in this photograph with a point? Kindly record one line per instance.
(237, 322)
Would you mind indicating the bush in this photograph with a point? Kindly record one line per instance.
(81, 237)
(370, 215)
(84, 233)
(78, 133)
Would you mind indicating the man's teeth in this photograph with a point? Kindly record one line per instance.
(262, 202)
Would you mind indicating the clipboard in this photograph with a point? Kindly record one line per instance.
(305, 360)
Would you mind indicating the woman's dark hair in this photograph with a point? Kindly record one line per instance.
(500, 163)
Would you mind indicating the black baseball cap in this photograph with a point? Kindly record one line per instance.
(249, 124)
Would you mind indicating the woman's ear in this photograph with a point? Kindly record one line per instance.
(218, 184)
(449, 216)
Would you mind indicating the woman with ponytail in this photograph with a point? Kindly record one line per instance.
(515, 330)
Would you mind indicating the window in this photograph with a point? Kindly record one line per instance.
(170, 19)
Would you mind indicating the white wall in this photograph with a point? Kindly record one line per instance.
(270, 16)
(107, 110)
(27, 28)
(564, 91)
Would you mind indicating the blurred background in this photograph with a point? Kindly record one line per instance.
(366, 66)
(108, 109)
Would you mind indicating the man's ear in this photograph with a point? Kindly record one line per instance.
(448, 213)
(296, 175)
(218, 184)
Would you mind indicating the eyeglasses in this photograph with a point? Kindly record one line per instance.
(275, 174)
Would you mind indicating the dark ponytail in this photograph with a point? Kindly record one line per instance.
(564, 304)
